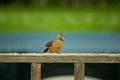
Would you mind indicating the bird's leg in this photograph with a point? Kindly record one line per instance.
(57, 52)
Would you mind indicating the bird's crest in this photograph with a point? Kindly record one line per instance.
(60, 34)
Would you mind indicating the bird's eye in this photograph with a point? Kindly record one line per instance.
(60, 38)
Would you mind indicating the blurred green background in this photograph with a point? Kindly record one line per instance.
(59, 15)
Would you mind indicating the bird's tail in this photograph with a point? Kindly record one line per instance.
(46, 49)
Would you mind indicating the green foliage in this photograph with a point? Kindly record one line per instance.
(59, 19)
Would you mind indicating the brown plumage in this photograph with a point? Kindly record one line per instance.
(55, 45)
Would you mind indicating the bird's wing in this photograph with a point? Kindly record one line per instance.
(49, 44)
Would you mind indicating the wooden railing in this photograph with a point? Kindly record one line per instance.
(78, 59)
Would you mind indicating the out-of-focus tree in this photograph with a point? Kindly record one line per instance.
(35, 3)
(63, 3)
(94, 3)
(102, 3)
(20, 2)
(75, 3)
(67, 3)
(15, 2)
(43, 3)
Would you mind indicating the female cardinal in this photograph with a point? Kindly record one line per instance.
(55, 45)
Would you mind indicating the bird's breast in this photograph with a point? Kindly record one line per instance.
(56, 46)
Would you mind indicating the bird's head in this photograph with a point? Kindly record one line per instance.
(59, 37)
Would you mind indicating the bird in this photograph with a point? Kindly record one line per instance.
(54, 45)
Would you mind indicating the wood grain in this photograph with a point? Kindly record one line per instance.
(78, 59)
(79, 71)
(60, 58)
(35, 71)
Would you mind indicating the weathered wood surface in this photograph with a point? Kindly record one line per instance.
(62, 58)
(35, 71)
(79, 71)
